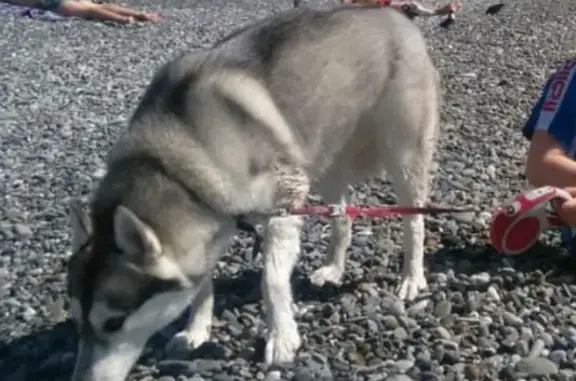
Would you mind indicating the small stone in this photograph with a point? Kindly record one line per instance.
(537, 348)
(400, 334)
(472, 372)
(276, 375)
(189, 368)
(398, 377)
(418, 307)
(491, 171)
(397, 308)
(443, 309)
(223, 377)
(99, 173)
(443, 333)
(29, 313)
(404, 365)
(511, 319)
(23, 230)
(390, 322)
(526, 333)
(493, 293)
(558, 356)
(480, 279)
(566, 375)
(536, 366)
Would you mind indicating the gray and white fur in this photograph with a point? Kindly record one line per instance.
(305, 101)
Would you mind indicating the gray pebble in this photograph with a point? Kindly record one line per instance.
(443, 333)
(400, 334)
(23, 230)
(398, 377)
(480, 279)
(566, 375)
(418, 307)
(404, 365)
(472, 372)
(390, 321)
(558, 356)
(443, 309)
(537, 348)
(176, 367)
(397, 308)
(276, 375)
(512, 319)
(536, 366)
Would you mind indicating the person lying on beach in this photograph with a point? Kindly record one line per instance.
(88, 10)
(412, 8)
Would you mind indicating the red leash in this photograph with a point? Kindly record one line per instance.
(355, 211)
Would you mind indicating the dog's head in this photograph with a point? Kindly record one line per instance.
(124, 285)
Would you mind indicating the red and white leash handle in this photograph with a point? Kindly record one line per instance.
(517, 225)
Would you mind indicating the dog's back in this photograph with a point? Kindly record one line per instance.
(323, 69)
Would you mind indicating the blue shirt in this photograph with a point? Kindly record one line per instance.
(555, 112)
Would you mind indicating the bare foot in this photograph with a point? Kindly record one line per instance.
(145, 16)
(449, 8)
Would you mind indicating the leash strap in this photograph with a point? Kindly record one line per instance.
(375, 211)
(336, 210)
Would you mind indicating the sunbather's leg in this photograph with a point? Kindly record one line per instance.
(89, 10)
(138, 15)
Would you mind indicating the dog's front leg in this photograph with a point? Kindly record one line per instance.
(281, 251)
(333, 268)
(199, 325)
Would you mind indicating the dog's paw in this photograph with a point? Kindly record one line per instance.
(411, 286)
(187, 340)
(327, 274)
(282, 346)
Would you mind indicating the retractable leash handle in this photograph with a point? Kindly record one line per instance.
(517, 225)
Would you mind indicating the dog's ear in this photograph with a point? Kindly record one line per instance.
(80, 224)
(133, 236)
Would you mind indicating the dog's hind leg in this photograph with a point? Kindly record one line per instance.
(199, 325)
(281, 251)
(333, 268)
(408, 163)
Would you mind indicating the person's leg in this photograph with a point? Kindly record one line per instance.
(105, 12)
(121, 10)
(88, 10)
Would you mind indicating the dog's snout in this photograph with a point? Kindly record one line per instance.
(99, 361)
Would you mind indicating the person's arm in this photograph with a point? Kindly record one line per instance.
(548, 164)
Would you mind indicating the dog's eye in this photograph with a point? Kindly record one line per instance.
(113, 324)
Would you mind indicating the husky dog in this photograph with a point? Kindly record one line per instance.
(305, 101)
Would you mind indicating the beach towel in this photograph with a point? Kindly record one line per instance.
(31, 12)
